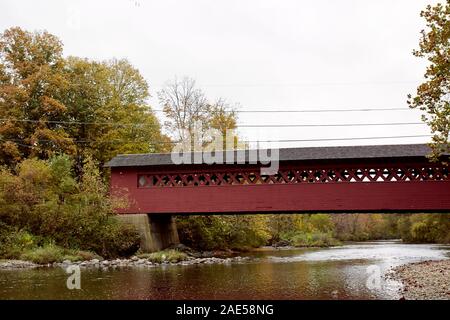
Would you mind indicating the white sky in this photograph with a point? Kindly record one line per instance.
(274, 55)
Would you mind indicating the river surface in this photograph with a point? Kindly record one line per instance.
(347, 272)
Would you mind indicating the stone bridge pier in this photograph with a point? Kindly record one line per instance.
(157, 232)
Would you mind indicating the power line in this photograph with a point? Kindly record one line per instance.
(339, 139)
(330, 125)
(19, 144)
(302, 84)
(247, 141)
(238, 125)
(312, 110)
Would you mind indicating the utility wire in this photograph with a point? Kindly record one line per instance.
(329, 125)
(339, 139)
(248, 141)
(238, 125)
(301, 84)
(310, 110)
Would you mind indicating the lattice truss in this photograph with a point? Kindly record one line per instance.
(295, 175)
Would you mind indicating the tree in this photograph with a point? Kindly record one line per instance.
(433, 96)
(184, 105)
(32, 86)
(223, 118)
(51, 105)
(107, 105)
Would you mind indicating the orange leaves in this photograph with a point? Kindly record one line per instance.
(52, 106)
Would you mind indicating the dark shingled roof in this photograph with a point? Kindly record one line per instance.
(292, 154)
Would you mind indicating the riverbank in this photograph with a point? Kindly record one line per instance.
(424, 280)
(179, 255)
(134, 261)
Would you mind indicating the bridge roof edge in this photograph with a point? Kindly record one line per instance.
(289, 154)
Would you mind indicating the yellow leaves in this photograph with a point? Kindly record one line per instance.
(10, 150)
(72, 105)
(430, 96)
(34, 171)
(52, 106)
(51, 142)
(27, 51)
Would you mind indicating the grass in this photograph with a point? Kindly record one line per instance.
(44, 255)
(51, 253)
(87, 255)
(164, 256)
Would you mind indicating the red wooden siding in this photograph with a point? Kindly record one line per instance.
(382, 185)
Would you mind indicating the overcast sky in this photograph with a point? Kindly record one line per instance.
(264, 55)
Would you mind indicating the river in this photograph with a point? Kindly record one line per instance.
(346, 272)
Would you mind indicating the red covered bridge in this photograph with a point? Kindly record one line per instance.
(383, 178)
(386, 178)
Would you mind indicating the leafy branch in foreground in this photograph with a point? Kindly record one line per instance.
(433, 96)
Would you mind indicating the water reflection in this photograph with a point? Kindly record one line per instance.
(330, 273)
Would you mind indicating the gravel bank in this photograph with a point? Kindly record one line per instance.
(17, 264)
(424, 280)
(119, 263)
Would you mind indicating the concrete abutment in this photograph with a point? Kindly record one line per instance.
(157, 232)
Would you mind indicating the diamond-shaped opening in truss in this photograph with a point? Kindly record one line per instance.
(373, 173)
(430, 173)
(400, 173)
(423, 174)
(304, 175)
(227, 178)
(142, 181)
(318, 175)
(331, 175)
(385, 174)
(190, 179)
(165, 181)
(214, 179)
(202, 180)
(279, 178)
(415, 174)
(264, 178)
(359, 173)
(310, 176)
(154, 180)
(178, 180)
(445, 173)
(290, 176)
(345, 175)
(240, 179)
(252, 177)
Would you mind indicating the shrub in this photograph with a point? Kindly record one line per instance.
(317, 239)
(46, 199)
(164, 256)
(72, 258)
(14, 242)
(223, 232)
(116, 239)
(43, 255)
(87, 255)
